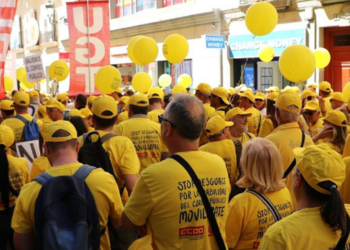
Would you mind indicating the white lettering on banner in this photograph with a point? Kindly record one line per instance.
(79, 16)
(275, 43)
(85, 71)
(82, 53)
(4, 42)
(29, 150)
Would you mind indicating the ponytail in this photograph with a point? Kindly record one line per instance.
(4, 177)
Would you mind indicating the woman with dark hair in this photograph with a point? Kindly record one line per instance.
(14, 173)
(270, 123)
(321, 220)
(79, 125)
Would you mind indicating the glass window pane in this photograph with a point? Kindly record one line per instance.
(167, 3)
(127, 7)
(178, 1)
(119, 8)
(145, 4)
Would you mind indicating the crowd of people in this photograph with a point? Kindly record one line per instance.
(216, 169)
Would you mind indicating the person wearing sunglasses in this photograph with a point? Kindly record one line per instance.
(308, 95)
(311, 114)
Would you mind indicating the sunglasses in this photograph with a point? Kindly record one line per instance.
(309, 98)
(309, 113)
(161, 118)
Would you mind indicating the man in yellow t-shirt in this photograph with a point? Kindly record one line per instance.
(144, 133)
(288, 134)
(239, 129)
(155, 97)
(203, 92)
(312, 116)
(246, 102)
(7, 109)
(219, 100)
(21, 101)
(61, 147)
(221, 145)
(165, 197)
(325, 90)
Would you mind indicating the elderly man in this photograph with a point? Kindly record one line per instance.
(165, 197)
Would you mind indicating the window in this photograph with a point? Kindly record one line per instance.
(129, 7)
(167, 3)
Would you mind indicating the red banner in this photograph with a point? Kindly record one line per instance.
(89, 44)
(7, 13)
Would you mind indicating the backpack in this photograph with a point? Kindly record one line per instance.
(94, 154)
(30, 130)
(65, 215)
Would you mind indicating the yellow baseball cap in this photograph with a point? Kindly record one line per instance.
(6, 105)
(249, 95)
(33, 94)
(76, 112)
(312, 105)
(312, 85)
(104, 107)
(140, 100)
(215, 124)
(337, 118)
(46, 99)
(306, 93)
(273, 89)
(21, 98)
(7, 137)
(325, 86)
(53, 127)
(204, 87)
(231, 91)
(86, 112)
(221, 93)
(273, 96)
(296, 89)
(42, 110)
(338, 96)
(124, 99)
(236, 111)
(320, 163)
(119, 90)
(62, 97)
(179, 89)
(286, 99)
(155, 93)
(91, 99)
(259, 95)
(53, 103)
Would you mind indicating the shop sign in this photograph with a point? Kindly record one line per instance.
(214, 42)
(245, 46)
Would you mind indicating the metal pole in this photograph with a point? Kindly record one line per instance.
(88, 37)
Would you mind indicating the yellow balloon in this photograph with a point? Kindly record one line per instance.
(21, 73)
(108, 79)
(142, 82)
(175, 48)
(261, 18)
(184, 80)
(297, 63)
(22, 86)
(8, 82)
(42, 81)
(346, 91)
(179, 89)
(59, 69)
(145, 50)
(322, 57)
(131, 48)
(164, 80)
(266, 53)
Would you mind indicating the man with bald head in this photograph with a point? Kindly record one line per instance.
(165, 199)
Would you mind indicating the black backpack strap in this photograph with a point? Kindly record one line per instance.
(343, 240)
(13, 191)
(236, 189)
(250, 137)
(83, 172)
(259, 124)
(267, 203)
(87, 137)
(294, 162)
(107, 137)
(43, 178)
(208, 209)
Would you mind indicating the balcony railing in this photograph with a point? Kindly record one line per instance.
(279, 4)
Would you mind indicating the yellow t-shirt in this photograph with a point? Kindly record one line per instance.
(345, 187)
(304, 229)
(122, 155)
(254, 120)
(226, 150)
(315, 129)
(249, 218)
(209, 110)
(167, 200)
(327, 104)
(286, 137)
(18, 176)
(123, 116)
(40, 165)
(346, 151)
(153, 115)
(101, 185)
(46, 120)
(17, 125)
(266, 128)
(145, 135)
(219, 111)
(246, 137)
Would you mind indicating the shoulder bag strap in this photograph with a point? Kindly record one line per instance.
(21, 118)
(107, 137)
(342, 242)
(235, 189)
(267, 203)
(208, 208)
(294, 162)
(250, 137)
(257, 132)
